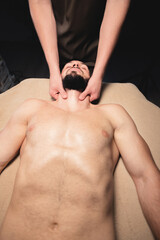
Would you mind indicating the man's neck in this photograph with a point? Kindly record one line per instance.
(72, 103)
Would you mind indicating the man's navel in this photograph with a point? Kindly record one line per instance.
(54, 226)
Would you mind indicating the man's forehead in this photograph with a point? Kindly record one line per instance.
(76, 61)
(73, 62)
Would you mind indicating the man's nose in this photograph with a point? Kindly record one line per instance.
(76, 65)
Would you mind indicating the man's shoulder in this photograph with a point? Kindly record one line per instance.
(28, 107)
(116, 113)
(32, 104)
(112, 107)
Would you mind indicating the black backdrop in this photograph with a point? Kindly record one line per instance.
(135, 59)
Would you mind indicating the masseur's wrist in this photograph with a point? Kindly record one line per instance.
(54, 71)
(97, 75)
(99, 71)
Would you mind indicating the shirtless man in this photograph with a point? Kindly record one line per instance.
(69, 149)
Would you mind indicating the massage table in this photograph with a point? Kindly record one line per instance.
(129, 220)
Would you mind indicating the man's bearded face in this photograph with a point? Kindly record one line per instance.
(75, 82)
(75, 75)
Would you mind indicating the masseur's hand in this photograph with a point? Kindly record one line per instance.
(56, 87)
(93, 89)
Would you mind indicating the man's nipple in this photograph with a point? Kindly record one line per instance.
(31, 127)
(105, 134)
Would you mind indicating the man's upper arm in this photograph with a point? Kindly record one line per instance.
(134, 150)
(12, 136)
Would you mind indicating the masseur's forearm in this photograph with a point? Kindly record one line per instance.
(45, 25)
(149, 197)
(113, 19)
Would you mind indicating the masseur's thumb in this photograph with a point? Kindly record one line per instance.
(63, 94)
(83, 95)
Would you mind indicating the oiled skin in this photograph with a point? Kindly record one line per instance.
(64, 185)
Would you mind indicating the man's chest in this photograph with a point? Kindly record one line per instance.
(79, 144)
(69, 130)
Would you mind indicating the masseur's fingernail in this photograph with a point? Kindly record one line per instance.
(80, 98)
(64, 96)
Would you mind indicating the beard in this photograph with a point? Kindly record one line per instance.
(74, 81)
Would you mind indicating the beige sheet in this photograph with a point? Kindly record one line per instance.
(130, 223)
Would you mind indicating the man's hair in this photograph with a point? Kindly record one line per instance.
(74, 81)
(90, 70)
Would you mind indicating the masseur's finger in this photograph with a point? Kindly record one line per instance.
(83, 95)
(93, 97)
(63, 93)
(54, 94)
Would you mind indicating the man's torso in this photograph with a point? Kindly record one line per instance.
(64, 184)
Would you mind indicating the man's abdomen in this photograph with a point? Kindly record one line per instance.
(65, 197)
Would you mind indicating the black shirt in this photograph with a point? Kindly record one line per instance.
(78, 25)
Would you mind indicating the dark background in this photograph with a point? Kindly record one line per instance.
(135, 59)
